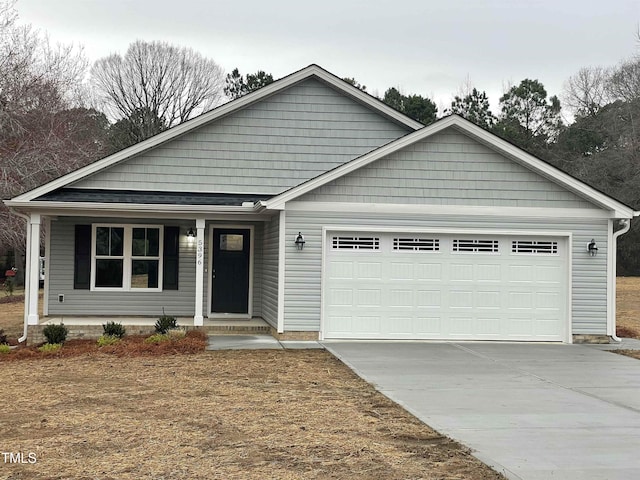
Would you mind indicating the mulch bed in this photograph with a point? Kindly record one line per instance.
(11, 299)
(130, 346)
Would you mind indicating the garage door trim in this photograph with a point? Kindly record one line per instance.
(364, 229)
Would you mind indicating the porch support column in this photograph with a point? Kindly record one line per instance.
(282, 251)
(33, 269)
(198, 319)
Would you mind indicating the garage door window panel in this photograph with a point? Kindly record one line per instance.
(409, 244)
(534, 247)
(351, 243)
(475, 246)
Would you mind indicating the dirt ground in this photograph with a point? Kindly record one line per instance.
(628, 306)
(214, 415)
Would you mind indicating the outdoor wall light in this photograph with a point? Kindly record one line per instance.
(299, 241)
(592, 248)
(190, 234)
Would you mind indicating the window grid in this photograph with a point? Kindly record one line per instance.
(416, 244)
(534, 247)
(136, 267)
(355, 243)
(475, 246)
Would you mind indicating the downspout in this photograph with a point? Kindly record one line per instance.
(614, 246)
(28, 219)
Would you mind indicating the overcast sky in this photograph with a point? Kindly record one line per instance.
(422, 46)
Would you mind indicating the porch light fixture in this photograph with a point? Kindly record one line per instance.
(190, 234)
(300, 241)
(592, 248)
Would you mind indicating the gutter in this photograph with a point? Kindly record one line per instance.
(134, 207)
(614, 246)
(26, 217)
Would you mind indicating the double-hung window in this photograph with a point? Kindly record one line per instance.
(127, 257)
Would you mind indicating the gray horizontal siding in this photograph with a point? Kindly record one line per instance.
(175, 302)
(85, 302)
(268, 147)
(447, 169)
(303, 269)
(270, 272)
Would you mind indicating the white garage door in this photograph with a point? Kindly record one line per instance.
(459, 287)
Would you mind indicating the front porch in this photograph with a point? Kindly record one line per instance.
(216, 273)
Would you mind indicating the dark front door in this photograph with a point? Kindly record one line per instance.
(230, 276)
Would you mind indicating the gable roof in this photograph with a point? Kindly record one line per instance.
(492, 141)
(312, 71)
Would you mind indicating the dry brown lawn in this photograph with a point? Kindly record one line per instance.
(214, 415)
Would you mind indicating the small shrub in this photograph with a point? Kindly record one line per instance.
(166, 323)
(108, 340)
(55, 333)
(9, 285)
(4, 348)
(50, 347)
(176, 334)
(3, 337)
(158, 338)
(113, 329)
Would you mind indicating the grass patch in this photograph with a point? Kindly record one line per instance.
(50, 347)
(107, 340)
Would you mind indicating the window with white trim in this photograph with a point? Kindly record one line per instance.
(416, 244)
(475, 246)
(531, 247)
(355, 243)
(127, 257)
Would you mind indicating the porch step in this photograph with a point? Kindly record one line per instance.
(235, 330)
(237, 327)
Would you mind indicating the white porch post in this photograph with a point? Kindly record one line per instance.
(33, 269)
(282, 251)
(198, 319)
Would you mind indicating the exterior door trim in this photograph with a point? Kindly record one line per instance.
(212, 227)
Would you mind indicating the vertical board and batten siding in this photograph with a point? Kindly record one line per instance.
(270, 271)
(449, 168)
(303, 269)
(179, 302)
(268, 147)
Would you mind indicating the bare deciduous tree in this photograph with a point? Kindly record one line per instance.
(167, 82)
(41, 135)
(586, 92)
(624, 82)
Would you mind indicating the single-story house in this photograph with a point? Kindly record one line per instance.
(319, 210)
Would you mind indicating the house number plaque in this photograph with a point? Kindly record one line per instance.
(200, 251)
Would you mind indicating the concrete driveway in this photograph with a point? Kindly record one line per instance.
(530, 411)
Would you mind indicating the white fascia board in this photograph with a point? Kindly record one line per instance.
(450, 210)
(221, 111)
(128, 207)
